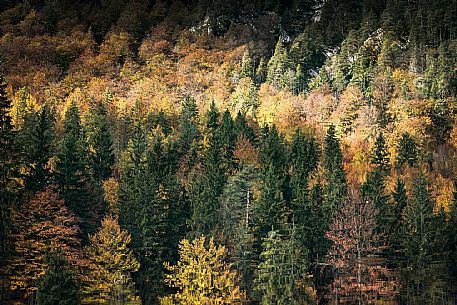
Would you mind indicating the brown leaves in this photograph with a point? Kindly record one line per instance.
(42, 224)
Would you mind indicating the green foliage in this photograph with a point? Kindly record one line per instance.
(417, 220)
(144, 201)
(236, 213)
(407, 150)
(99, 142)
(6, 165)
(247, 68)
(380, 155)
(281, 271)
(395, 220)
(37, 140)
(336, 187)
(271, 209)
(58, 285)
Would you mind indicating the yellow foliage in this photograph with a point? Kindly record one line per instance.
(202, 276)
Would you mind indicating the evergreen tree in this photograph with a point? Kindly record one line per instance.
(452, 233)
(99, 142)
(247, 68)
(242, 127)
(112, 262)
(279, 67)
(271, 209)
(37, 140)
(407, 150)
(261, 71)
(380, 155)
(58, 284)
(374, 190)
(212, 117)
(418, 217)
(7, 153)
(236, 214)
(227, 133)
(281, 268)
(71, 171)
(143, 205)
(304, 158)
(395, 232)
(336, 187)
(422, 244)
(189, 132)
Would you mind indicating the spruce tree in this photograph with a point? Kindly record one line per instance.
(37, 140)
(304, 158)
(336, 187)
(271, 209)
(452, 233)
(6, 165)
(422, 244)
(236, 214)
(227, 133)
(282, 266)
(242, 127)
(71, 174)
(418, 218)
(395, 232)
(143, 204)
(407, 150)
(58, 284)
(247, 69)
(380, 155)
(99, 142)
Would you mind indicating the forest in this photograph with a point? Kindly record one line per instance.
(206, 152)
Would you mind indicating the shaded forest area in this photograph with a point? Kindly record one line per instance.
(228, 152)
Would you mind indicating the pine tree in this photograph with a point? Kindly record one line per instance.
(380, 155)
(37, 140)
(227, 134)
(236, 214)
(99, 142)
(279, 66)
(247, 69)
(452, 233)
(58, 284)
(261, 71)
(407, 151)
(143, 205)
(271, 209)
(281, 268)
(336, 187)
(374, 190)
(112, 262)
(202, 276)
(395, 232)
(242, 127)
(71, 171)
(422, 244)
(189, 132)
(7, 152)
(418, 217)
(304, 158)
(212, 117)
